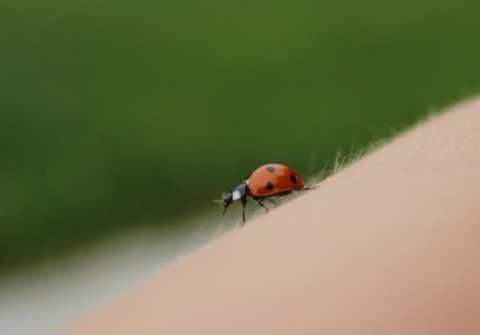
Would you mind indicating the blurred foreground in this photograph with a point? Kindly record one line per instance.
(38, 300)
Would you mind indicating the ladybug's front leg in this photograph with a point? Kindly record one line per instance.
(244, 204)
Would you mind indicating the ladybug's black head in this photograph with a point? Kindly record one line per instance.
(227, 200)
(239, 193)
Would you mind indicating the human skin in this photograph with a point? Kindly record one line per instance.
(389, 245)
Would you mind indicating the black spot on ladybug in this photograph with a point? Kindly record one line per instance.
(293, 178)
(269, 186)
(271, 169)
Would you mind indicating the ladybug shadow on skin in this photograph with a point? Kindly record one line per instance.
(270, 180)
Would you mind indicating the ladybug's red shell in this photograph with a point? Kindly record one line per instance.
(273, 179)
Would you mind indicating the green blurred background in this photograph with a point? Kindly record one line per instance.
(117, 114)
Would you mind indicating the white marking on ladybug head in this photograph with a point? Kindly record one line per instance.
(236, 195)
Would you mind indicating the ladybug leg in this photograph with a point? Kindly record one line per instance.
(244, 204)
(307, 188)
(259, 200)
(261, 204)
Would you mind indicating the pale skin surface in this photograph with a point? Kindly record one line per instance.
(390, 245)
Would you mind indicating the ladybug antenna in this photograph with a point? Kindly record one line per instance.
(221, 201)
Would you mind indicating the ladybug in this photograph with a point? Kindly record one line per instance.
(267, 181)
